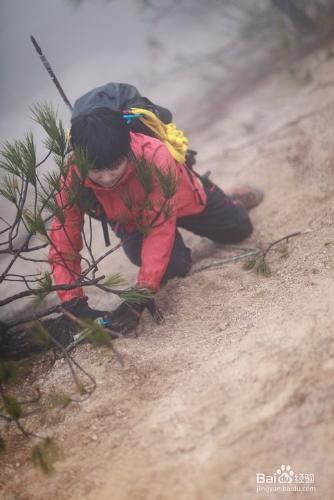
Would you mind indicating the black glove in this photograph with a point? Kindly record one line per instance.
(63, 329)
(126, 316)
(79, 307)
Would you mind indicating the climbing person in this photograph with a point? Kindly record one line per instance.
(194, 203)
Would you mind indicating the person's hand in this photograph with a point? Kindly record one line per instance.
(126, 316)
(79, 307)
(63, 328)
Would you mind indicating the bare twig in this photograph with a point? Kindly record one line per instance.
(285, 238)
(54, 288)
(249, 253)
(70, 363)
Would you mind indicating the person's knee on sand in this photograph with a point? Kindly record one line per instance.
(179, 265)
(237, 233)
(180, 261)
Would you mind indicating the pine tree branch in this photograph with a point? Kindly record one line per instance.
(15, 257)
(215, 265)
(44, 159)
(18, 218)
(54, 288)
(7, 228)
(70, 363)
(26, 319)
(285, 238)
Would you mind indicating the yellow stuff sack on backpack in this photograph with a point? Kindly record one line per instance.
(173, 137)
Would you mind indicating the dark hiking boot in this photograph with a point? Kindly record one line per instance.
(248, 196)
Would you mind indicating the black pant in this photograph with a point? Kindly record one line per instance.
(221, 221)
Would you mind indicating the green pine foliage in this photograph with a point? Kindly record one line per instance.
(48, 203)
(82, 161)
(81, 388)
(167, 181)
(167, 211)
(249, 264)
(10, 189)
(35, 223)
(11, 406)
(147, 213)
(45, 284)
(262, 267)
(28, 154)
(46, 116)
(52, 179)
(8, 373)
(114, 281)
(40, 334)
(144, 174)
(98, 335)
(11, 159)
(259, 265)
(19, 158)
(136, 295)
(44, 455)
(127, 200)
(94, 332)
(59, 399)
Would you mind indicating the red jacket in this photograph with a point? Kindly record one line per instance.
(190, 198)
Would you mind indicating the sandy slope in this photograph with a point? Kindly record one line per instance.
(240, 379)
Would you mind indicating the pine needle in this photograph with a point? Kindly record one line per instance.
(12, 406)
(262, 267)
(59, 399)
(136, 295)
(249, 264)
(114, 281)
(46, 116)
(44, 455)
(144, 174)
(8, 373)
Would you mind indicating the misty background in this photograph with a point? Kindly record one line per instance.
(174, 52)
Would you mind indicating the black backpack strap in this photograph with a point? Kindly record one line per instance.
(104, 222)
(162, 113)
(90, 205)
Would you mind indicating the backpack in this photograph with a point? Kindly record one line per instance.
(120, 97)
(142, 116)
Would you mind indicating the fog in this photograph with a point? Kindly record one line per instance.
(86, 45)
(160, 47)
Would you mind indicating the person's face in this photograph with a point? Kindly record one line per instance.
(107, 177)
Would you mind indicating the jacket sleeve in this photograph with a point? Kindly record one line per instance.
(158, 243)
(66, 244)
